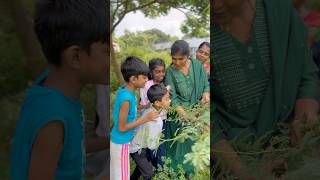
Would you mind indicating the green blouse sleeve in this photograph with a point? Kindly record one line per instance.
(169, 80)
(309, 83)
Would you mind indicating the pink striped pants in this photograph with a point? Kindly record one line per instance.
(119, 161)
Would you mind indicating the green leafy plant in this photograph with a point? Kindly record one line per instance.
(300, 161)
(197, 130)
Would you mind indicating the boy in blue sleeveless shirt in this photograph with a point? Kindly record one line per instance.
(134, 72)
(49, 137)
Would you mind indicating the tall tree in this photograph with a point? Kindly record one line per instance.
(30, 45)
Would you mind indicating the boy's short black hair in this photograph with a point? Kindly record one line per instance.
(180, 47)
(156, 92)
(133, 66)
(60, 24)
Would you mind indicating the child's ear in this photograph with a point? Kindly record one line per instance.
(132, 79)
(71, 56)
(157, 103)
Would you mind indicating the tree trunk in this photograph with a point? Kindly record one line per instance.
(27, 37)
(115, 65)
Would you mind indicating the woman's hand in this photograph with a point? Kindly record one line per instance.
(230, 161)
(279, 167)
(241, 172)
(183, 113)
(308, 109)
(205, 98)
(306, 115)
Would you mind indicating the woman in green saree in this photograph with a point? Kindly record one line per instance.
(188, 86)
(263, 73)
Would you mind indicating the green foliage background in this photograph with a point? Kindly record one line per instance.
(140, 44)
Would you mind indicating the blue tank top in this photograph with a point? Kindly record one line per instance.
(123, 95)
(41, 106)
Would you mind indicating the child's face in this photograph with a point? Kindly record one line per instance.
(158, 74)
(139, 81)
(94, 65)
(165, 101)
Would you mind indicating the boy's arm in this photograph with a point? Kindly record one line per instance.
(123, 114)
(46, 151)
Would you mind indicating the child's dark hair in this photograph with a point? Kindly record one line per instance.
(60, 24)
(153, 63)
(156, 92)
(205, 43)
(180, 47)
(133, 66)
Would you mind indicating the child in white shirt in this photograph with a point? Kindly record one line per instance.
(148, 134)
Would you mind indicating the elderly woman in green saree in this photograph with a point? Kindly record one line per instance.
(262, 74)
(188, 86)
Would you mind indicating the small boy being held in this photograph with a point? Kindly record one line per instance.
(148, 134)
(134, 72)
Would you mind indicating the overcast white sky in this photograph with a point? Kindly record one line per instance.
(169, 24)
